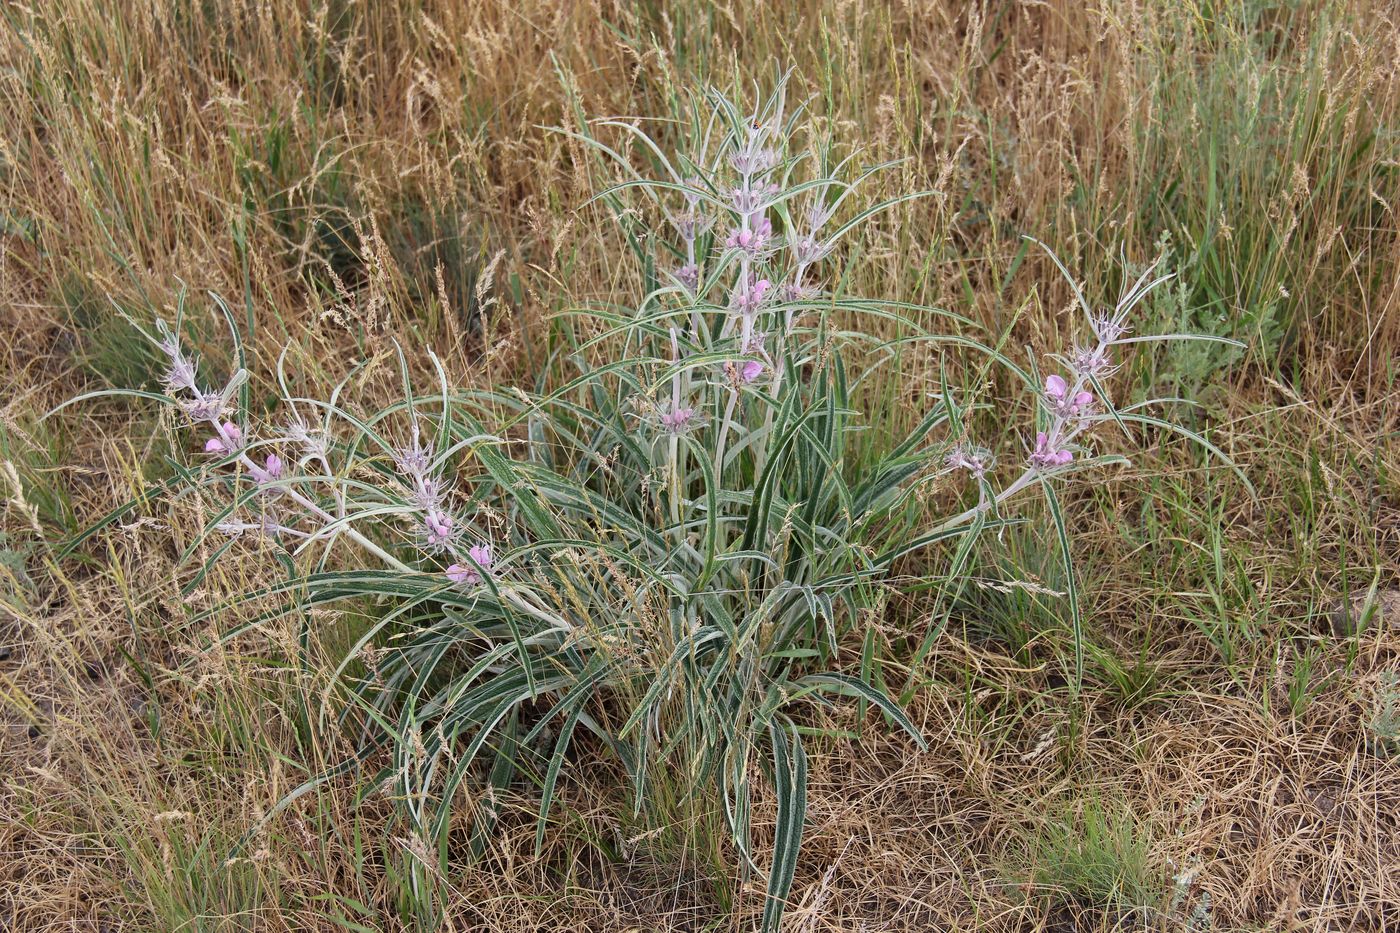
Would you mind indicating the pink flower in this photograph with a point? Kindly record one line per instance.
(689, 276)
(1057, 392)
(756, 359)
(229, 438)
(748, 301)
(270, 472)
(751, 201)
(439, 525)
(809, 250)
(1047, 457)
(678, 420)
(753, 240)
(468, 574)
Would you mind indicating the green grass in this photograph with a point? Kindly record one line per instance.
(1096, 855)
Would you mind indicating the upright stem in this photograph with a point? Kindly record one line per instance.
(779, 356)
(746, 320)
(724, 430)
(674, 441)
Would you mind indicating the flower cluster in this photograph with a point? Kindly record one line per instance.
(289, 506)
(753, 241)
(748, 301)
(439, 532)
(976, 460)
(269, 472)
(470, 574)
(1047, 454)
(1090, 362)
(1065, 403)
(678, 420)
(756, 270)
(1070, 405)
(228, 439)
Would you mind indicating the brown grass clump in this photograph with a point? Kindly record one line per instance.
(351, 174)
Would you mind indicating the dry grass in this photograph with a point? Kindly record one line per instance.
(347, 171)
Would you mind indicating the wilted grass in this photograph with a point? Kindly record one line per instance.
(320, 163)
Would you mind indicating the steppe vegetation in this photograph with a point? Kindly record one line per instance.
(596, 598)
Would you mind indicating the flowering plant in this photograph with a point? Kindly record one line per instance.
(668, 547)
